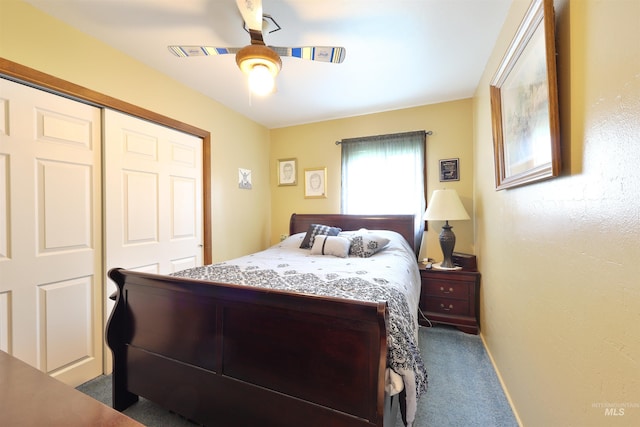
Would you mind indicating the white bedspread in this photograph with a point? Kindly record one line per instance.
(390, 275)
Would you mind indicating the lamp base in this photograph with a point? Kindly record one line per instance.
(447, 243)
(438, 266)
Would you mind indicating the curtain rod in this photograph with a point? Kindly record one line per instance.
(428, 132)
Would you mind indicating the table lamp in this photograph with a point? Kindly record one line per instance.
(445, 205)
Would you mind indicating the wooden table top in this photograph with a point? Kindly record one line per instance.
(29, 397)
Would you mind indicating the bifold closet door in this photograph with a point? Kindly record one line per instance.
(51, 274)
(153, 197)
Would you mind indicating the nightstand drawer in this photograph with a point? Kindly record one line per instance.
(450, 298)
(447, 306)
(446, 288)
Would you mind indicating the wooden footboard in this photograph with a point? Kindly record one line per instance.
(231, 355)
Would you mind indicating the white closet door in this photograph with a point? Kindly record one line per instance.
(51, 278)
(153, 197)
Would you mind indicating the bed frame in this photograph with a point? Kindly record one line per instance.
(232, 355)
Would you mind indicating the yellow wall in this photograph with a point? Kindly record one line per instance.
(560, 259)
(314, 146)
(240, 218)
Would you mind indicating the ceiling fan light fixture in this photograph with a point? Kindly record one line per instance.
(259, 62)
(261, 81)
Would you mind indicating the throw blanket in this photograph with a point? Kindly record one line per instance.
(390, 275)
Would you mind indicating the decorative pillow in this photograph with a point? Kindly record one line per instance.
(318, 230)
(331, 245)
(364, 245)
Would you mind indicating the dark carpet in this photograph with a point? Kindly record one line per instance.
(463, 388)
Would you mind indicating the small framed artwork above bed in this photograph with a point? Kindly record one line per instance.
(315, 183)
(287, 172)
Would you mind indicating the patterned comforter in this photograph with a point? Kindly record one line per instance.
(390, 275)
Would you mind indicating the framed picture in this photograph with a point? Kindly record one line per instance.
(244, 179)
(524, 103)
(287, 172)
(315, 183)
(449, 170)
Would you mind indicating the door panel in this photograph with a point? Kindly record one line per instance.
(153, 187)
(153, 202)
(50, 232)
(63, 313)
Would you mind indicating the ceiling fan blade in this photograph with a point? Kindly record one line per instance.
(184, 51)
(333, 54)
(251, 11)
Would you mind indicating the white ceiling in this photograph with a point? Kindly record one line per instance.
(400, 53)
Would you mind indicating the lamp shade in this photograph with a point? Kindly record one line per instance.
(445, 205)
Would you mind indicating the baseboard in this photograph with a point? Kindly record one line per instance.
(502, 384)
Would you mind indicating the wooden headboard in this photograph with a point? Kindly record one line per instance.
(402, 224)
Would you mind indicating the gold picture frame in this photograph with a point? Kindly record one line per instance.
(524, 103)
(315, 183)
(287, 172)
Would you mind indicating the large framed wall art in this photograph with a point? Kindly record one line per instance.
(524, 103)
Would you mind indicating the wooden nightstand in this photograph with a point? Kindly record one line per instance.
(450, 297)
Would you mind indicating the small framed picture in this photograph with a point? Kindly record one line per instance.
(315, 183)
(449, 170)
(287, 172)
(244, 179)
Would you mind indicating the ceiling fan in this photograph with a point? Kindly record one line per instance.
(260, 62)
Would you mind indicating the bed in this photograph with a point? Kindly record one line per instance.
(263, 340)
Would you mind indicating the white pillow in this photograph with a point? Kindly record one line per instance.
(330, 245)
(364, 244)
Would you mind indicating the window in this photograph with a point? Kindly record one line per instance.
(384, 175)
